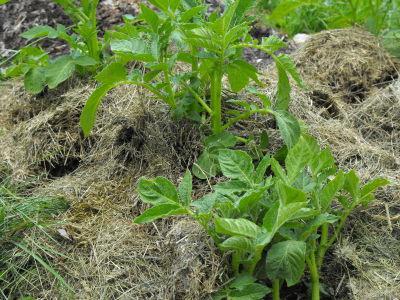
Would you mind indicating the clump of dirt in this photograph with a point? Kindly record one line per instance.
(356, 67)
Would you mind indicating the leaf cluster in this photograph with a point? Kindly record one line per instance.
(270, 224)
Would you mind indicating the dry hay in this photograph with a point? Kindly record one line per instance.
(134, 137)
(361, 130)
(356, 66)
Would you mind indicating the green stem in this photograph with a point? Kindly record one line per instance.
(198, 98)
(169, 90)
(244, 116)
(312, 266)
(216, 82)
(275, 289)
(322, 245)
(255, 260)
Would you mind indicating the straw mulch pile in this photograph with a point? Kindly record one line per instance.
(352, 106)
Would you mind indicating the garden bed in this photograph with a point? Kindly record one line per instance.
(352, 106)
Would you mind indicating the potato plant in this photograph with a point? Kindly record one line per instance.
(87, 51)
(274, 226)
(212, 46)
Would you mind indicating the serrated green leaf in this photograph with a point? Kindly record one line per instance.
(286, 260)
(237, 79)
(297, 158)
(159, 211)
(236, 165)
(150, 75)
(234, 34)
(238, 243)
(313, 224)
(39, 31)
(236, 227)
(304, 214)
(205, 204)
(351, 184)
(262, 167)
(264, 98)
(244, 6)
(112, 73)
(253, 291)
(133, 45)
(330, 191)
(279, 171)
(344, 201)
(85, 61)
(324, 160)
(206, 165)
(173, 5)
(372, 186)
(204, 43)
(250, 199)
(185, 189)
(35, 79)
(272, 43)
(161, 4)
(313, 144)
(150, 17)
(264, 140)
(290, 67)
(155, 48)
(284, 8)
(90, 109)
(241, 280)
(304, 182)
(157, 191)
(221, 140)
(289, 195)
(239, 102)
(221, 25)
(226, 209)
(60, 70)
(231, 187)
(190, 13)
(247, 69)
(283, 90)
(289, 127)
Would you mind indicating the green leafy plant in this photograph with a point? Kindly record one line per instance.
(274, 226)
(212, 46)
(333, 14)
(88, 53)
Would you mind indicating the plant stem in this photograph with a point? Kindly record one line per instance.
(216, 82)
(245, 115)
(275, 289)
(322, 244)
(171, 101)
(312, 266)
(255, 260)
(206, 107)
